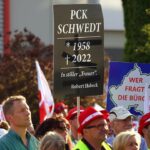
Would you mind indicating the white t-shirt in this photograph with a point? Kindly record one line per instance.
(2, 132)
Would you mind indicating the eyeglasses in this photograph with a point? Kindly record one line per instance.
(96, 126)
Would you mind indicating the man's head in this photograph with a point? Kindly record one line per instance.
(73, 113)
(72, 118)
(120, 119)
(93, 125)
(144, 125)
(17, 111)
(8, 103)
(61, 108)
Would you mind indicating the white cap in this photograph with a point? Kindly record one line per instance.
(2, 132)
(119, 113)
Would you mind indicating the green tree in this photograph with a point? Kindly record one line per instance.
(137, 47)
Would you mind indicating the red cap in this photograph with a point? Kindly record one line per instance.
(88, 115)
(72, 112)
(59, 107)
(144, 121)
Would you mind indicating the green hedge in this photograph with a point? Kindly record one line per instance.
(137, 47)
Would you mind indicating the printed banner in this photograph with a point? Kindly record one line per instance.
(78, 50)
(129, 86)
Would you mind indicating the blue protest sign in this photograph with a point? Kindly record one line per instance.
(128, 86)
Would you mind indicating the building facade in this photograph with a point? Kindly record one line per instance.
(37, 17)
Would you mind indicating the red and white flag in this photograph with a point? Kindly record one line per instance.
(2, 117)
(46, 103)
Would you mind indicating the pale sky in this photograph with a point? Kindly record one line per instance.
(113, 14)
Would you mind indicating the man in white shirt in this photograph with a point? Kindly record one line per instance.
(121, 120)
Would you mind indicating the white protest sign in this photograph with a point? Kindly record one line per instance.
(131, 92)
(147, 98)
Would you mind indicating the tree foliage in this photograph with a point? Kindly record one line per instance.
(18, 74)
(137, 48)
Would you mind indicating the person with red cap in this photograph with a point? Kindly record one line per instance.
(72, 118)
(94, 128)
(60, 109)
(144, 128)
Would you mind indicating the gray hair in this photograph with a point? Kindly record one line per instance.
(52, 141)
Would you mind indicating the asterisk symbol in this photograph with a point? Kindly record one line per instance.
(68, 44)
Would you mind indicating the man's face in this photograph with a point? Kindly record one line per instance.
(62, 130)
(21, 116)
(73, 122)
(74, 126)
(146, 132)
(122, 125)
(96, 130)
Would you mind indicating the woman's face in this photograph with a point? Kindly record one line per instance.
(132, 144)
(62, 130)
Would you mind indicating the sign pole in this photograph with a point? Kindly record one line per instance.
(78, 111)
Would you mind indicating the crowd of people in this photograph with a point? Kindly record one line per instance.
(78, 129)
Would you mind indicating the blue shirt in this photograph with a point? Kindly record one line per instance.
(12, 141)
(143, 145)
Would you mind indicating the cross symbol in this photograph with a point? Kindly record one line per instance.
(67, 59)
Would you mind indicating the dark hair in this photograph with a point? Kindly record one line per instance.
(49, 124)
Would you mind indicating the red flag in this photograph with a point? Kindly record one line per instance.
(46, 104)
